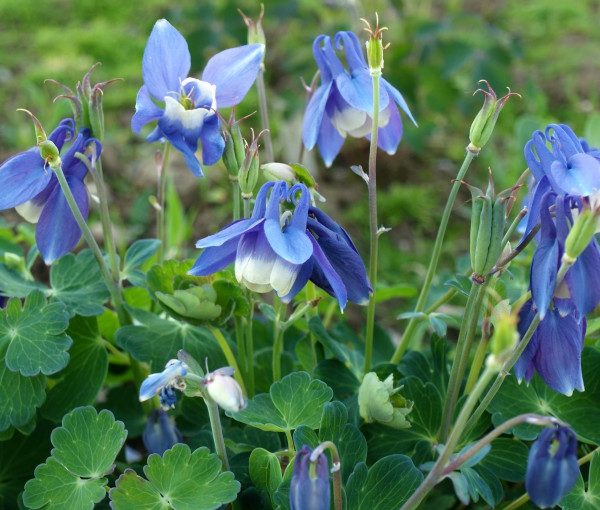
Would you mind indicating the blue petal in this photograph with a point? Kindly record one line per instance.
(63, 132)
(538, 155)
(160, 433)
(581, 176)
(145, 110)
(322, 63)
(301, 280)
(22, 177)
(233, 71)
(215, 258)
(213, 143)
(563, 140)
(524, 368)
(326, 277)
(353, 50)
(233, 231)
(558, 357)
(398, 99)
(534, 205)
(329, 142)
(389, 136)
(260, 206)
(345, 261)
(57, 232)
(357, 90)
(166, 61)
(313, 116)
(544, 265)
(583, 279)
(155, 382)
(71, 164)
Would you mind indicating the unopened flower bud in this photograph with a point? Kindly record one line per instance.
(375, 47)
(309, 488)
(505, 335)
(581, 234)
(225, 390)
(248, 176)
(379, 401)
(278, 172)
(256, 34)
(485, 121)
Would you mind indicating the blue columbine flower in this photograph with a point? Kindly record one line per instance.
(31, 187)
(164, 384)
(552, 468)
(190, 107)
(343, 103)
(285, 243)
(554, 350)
(160, 433)
(309, 488)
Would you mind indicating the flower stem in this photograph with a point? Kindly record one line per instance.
(264, 112)
(161, 231)
(290, 442)
(463, 349)
(278, 333)
(229, 356)
(235, 196)
(336, 470)
(373, 228)
(249, 334)
(241, 345)
(435, 256)
(217, 431)
(93, 245)
(437, 472)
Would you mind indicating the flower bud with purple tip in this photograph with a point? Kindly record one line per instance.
(160, 433)
(225, 390)
(552, 467)
(309, 489)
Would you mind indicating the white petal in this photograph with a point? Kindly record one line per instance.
(188, 119)
(348, 119)
(29, 211)
(283, 276)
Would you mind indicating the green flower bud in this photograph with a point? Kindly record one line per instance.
(485, 121)
(488, 221)
(278, 172)
(195, 305)
(375, 47)
(505, 335)
(248, 176)
(256, 34)
(581, 234)
(380, 402)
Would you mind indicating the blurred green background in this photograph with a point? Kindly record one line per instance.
(546, 50)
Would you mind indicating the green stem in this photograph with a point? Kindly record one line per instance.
(247, 206)
(278, 334)
(290, 442)
(93, 245)
(250, 346)
(235, 196)
(264, 112)
(229, 356)
(373, 227)
(435, 256)
(441, 301)
(336, 470)
(107, 230)
(513, 227)
(437, 471)
(217, 431)
(161, 231)
(241, 345)
(463, 350)
(478, 360)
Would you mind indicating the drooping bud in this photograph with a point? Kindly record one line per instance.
(256, 34)
(225, 390)
(379, 401)
(505, 335)
(488, 221)
(160, 433)
(485, 121)
(309, 488)
(581, 234)
(375, 46)
(278, 172)
(552, 468)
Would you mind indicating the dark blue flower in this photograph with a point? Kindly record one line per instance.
(160, 433)
(552, 468)
(164, 384)
(190, 107)
(31, 187)
(309, 488)
(343, 103)
(554, 350)
(285, 243)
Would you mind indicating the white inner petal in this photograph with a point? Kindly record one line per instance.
(29, 211)
(189, 119)
(283, 276)
(207, 91)
(348, 119)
